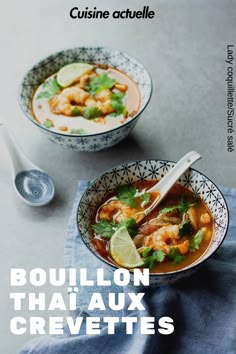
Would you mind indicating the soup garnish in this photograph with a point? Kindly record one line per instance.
(174, 235)
(85, 98)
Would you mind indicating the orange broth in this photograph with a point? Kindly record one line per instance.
(172, 198)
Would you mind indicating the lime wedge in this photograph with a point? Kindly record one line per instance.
(71, 72)
(123, 250)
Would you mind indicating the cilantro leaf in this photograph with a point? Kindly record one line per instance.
(168, 209)
(117, 96)
(182, 207)
(155, 257)
(146, 251)
(130, 225)
(48, 123)
(99, 83)
(114, 114)
(159, 256)
(118, 107)
(195, 241)
(91, 112)
(186, 228)
(76, 111)
(126, 194)
(175, 256)
(117, 104)
(49, 88)
(77, 131)
(104, 228)
(145, 197)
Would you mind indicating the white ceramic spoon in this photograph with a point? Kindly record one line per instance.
(165, 184)
(32, 184)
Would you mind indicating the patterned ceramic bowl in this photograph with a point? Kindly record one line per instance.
(147, 170)
(112, 57)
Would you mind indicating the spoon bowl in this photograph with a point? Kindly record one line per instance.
(31, 184)
(35, 187)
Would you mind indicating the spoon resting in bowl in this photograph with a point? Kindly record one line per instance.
(159, 191)
(31, 184)
(164, 185)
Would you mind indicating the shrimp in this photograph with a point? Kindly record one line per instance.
(67, 100)
(105, 107)
(103, 95)
(156, 223)
(118, 211)
(182, 247)
(103, 103)
(161, 239)
(75, 94)
(205, 218)
(84, 80)
(59, 104)
(90, 102)
(192, 217)
(165, 238)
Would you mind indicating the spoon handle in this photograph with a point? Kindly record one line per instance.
(19, 161)
(174, 174)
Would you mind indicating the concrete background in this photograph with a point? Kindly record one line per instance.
(183, 47)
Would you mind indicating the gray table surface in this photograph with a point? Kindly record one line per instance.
(184, 49)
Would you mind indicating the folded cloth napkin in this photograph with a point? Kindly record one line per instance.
(203, 306)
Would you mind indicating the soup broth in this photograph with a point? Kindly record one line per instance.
(174, 235)
(99, 100)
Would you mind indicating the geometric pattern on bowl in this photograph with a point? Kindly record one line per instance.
(147, 170)
(113, 57)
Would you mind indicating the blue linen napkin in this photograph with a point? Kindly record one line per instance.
(203, 306)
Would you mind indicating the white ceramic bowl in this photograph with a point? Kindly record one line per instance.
(147, 170)
(113, 57)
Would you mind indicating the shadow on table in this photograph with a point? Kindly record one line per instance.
(42, 212)
(131, 148)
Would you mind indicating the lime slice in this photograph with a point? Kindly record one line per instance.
(71, 72)
(123, 250)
